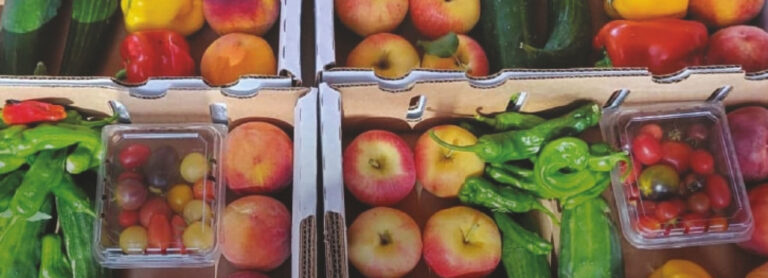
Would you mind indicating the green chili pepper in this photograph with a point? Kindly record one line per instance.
(478, 191)
(524, 144)
(8, 185)
(19, 144)
(43, 175)
(68, 192)
(9, 163)
(512, 231)
(520, 179)
(561, 169)
(592, 193)
(53, 262)
(606, 163)
(74, 117)
(474, 129)
(20, 244)
(510, 121)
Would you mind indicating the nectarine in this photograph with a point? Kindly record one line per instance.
(740, 45)
(243, 16)
(256, 233)
(258, 158)
(234, 55)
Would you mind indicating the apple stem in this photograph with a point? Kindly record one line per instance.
(374, 163)
(385, 238)
(469, 232)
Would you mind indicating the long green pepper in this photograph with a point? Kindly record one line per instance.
(480, 192)
(18, 142)
(510, 121)
(46, 173)
(20, 244)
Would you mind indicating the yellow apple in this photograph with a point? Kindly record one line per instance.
(441, 171)
(469, 57)
(389, 55)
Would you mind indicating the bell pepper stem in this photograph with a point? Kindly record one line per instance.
(449, 146)
(120, 75)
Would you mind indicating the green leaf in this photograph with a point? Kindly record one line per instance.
(443, 47)
(605, 62)
(23, 16)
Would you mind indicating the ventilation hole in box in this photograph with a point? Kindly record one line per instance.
(416, 108)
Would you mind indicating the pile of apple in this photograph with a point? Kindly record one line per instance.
(393, 56)
(256, 229)
(380, 170)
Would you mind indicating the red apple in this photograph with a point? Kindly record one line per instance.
(461, 242)
(441, 171)
(389, 55)
(722, 13)
(469, 56)
(749, 130)
(256, 233)
(366, 17)
(436, 18)
(758, 202)
(258, 158)
(241, 16)
(739, 45)
(379, 168)
(384, 242)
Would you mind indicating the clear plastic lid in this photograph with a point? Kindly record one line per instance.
(685, 187)
(159, 196)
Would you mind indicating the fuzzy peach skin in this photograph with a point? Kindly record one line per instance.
(384, 242)
(234, 55)
(469, 57)
(441, 171)
(241, 16)
(365, 17)
(461, 242)
(436, 18)
(389, 55)
(722, 13)
(379, 168)
(256, 233)
(739, 45)
(258, 158)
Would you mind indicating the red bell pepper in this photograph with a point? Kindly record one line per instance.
(155, 53)
(32, 111)
(663, 46)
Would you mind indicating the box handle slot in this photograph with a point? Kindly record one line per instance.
(118, 108)
(219, 113)
(617, 98)
(720, 94)
(416, 108)
(517, 105)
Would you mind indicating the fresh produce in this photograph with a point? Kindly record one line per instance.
(198, 236)
(203, 189)
(664, 46)
(516, 255)
(680, 268)
(155, 53)
(92, 22)
(647, 148)
(480, 192)
(130, 194)
(472, 248)
(133, 240)
(759, 272)
(250, 16)
(197, 210)
(182, 16)
(53, 262)
(659, 182)
(153, 206)
(367, 17)
(234, 55)
(702, 162)
(78, 230)
(379, 168)
(390, 56)
(758, 201)
(384, 242)
(436, 18)
(128, 218)
(178, 197)
(193, 167)
(749, 130)
(569, 42)
(256, 233)
(178, 227)
(510, 121)
(45, 173)
(717, 13)
(159, 233)
(8, 185)
(739, 45)
(162, 168)
(502, 46)
(455, 52)
(247, 274)
(133, 156)
(528, 240)
(20, 242)
(440, 171)
(646, 9)
(258, 158)
(32, 111)
(24, 23)
(589, 243)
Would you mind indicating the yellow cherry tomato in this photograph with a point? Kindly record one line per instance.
(198, 237)
(179, 196)
(133, 240)
(193, 167)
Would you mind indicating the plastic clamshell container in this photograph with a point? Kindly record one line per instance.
(621, 124)
(206, 139)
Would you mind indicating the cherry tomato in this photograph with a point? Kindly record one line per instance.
(718, 224)
(658, 182)
(648, 208)
(155, 205)
(702, 162)
(677, 155)
(162, 168)
(194, 167)
(694, 223)
(134, 155)
(159, 232)
(203, 190)
(197, 210)
(699, 203)
(718, 192)
(648, 226)
(179, 196)
(691, 184)
(177, 230)
(652, 130)
(130, 194)
(130, 175)
(133, 240)
(697, 133)
(198, 236)
(128, 218)
(668, 210)
(646, 149)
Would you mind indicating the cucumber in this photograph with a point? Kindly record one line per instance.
(89, 30)
(78, 229)
(518, 261)
(589, 243)
(505, 26)
(571, 38)
(20, 245)
(22, 33)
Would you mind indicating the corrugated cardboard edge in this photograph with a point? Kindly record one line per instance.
(289, 62)
(304, 231)
(325, 44)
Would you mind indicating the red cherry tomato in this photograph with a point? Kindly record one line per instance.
(203, 190)
(653, 130)
(694, 223)
(153, 206)
(702, 162)
(668, 210)
(128, 218)
(647, 208)
(134, 156)
(718, 192)
(648, 226)
(718, 224)
(699, 203)
(646, 149)
(178, 225)
(676, 154)
(131, 175)
(697, 133)
(159, 233)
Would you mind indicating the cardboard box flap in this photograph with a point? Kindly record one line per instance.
(304, 231)
(289, 62)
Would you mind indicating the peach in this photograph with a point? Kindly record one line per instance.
(469, 57)
(461, 242)
(366, 17)
(234, 55)
(389, 55)
(722, 13)
(379, 168)
(740, 45)
(241, 16)
(258, 158)
(441, 171)
(384, 242)
(436, 18)
(256, 233)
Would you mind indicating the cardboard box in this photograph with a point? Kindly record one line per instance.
(293, 109)
(284, 38)
(349, 109)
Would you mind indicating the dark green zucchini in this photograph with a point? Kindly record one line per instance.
(22, 32)
(589, 243)
(89, 33)
(505, 27)
(571, 38)
(518, 260)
